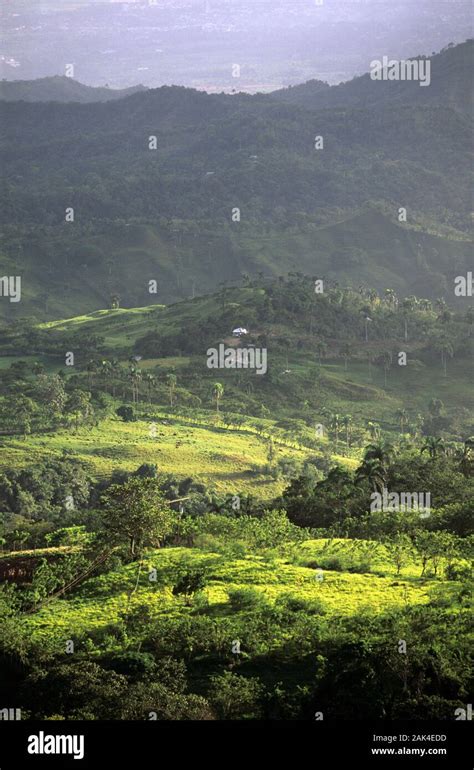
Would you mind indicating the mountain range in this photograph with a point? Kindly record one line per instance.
(367, 182)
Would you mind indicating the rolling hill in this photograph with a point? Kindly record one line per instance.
(60, 88)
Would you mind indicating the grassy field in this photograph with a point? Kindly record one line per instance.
(223, 458)
(98, 603)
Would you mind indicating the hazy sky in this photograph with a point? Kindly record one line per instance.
(197, 42)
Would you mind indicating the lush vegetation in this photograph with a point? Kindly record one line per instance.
(181, 545)
(183, 542)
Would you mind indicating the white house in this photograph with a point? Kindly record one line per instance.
(239, 332)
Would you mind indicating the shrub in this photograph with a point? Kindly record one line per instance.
(191, 581)
(127, 413)
(245, 599)
(291, 604)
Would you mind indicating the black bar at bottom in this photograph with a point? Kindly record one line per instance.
(102, 744)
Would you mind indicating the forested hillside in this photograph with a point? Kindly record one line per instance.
(175, 181)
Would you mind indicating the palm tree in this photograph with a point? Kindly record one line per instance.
(391, 298)
(150, 380)
(408, 304)
(435, 407)
(347, 422)
(334, 425)
(91, 369)
(467, 459)
(387, 362)
(446, 350)
(321, 349)
(382, 451)
(135, 379)
(434, 446)
(115, 369)
(374, 430)
(217, 393)
(371, 470)
(346, 351)
(172, 380)
(402, 415)
(106, 368)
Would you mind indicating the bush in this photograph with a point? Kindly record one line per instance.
(453, 572)
(245, 599)
(127, 413)
(190, 582)
(290, 603)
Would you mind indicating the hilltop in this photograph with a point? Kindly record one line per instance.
(451, 86)
(60, 88)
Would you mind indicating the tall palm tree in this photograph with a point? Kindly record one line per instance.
(382, 451)
(347, 422)
(387, 359)
(172, 381)
(217, 393)
(91, 369)
(150, 380)
(374, 430)
(408, 304)
(371, 470)
(346, 351)
(321, 349)
(135, 379)
(116, 371)
(402, 415)
(106, 368)
(334, 425)
(443, 346)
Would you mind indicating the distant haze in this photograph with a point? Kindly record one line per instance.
(198, 42)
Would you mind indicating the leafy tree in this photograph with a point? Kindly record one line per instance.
(24, 409)
(234, 696)
(137, 512)
(78, 405)
(399, 550)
